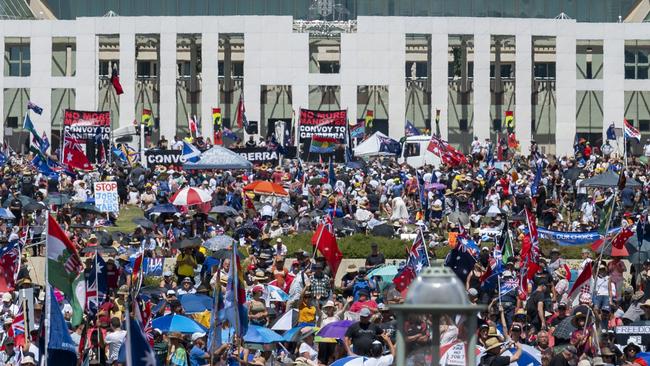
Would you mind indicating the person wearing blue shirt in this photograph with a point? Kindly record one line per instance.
(198, 356)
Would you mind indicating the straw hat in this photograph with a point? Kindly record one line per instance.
(351, 269)
(492, 343)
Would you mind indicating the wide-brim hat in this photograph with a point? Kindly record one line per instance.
(492, 343)
(578, 316)
(632, 346)
(351, 269)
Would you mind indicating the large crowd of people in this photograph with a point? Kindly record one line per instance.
(545, 319)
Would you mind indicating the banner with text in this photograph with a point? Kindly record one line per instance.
(85, 125)
(256, 155)
(330, 124)
(106, 197)
(572, 238)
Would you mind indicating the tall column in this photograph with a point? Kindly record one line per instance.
(86, 77)
(168, 85)
(614, 81)
(127, 78)
(482, 94)
(523, 88)
(396, 84)
(439, 83)
(565, 89)
(210, 81)
(40, 79)
(2, 88)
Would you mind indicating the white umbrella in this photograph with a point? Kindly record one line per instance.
(189, 196)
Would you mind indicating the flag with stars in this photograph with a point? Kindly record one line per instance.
(138, 350)
(508, 286)
(9, 265)
(325, 240)
(418, 258)
(460, 260)
(97, 285)
(74, 156)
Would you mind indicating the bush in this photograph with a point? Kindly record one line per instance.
(358, 246)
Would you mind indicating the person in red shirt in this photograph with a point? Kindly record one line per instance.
(587, 151)
(364, 302)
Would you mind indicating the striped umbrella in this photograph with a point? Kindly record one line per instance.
(189, 196)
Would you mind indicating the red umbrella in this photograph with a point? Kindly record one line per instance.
(266, 188)
(189, 196)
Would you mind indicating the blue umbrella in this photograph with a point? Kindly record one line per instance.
(196, 303)
(6, 214)
(177, 323)
(350, 361)
(163, 208)
(262, 335)
(292, 334)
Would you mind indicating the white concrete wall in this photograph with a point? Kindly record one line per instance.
(374, 55)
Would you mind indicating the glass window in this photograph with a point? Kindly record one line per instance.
(411, 149)
(17, 57)
(642, 72)
(405, 7)
(629, 72)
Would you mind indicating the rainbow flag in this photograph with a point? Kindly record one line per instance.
(146, 117)
(322, 145)
(370, 117)
(510, 121)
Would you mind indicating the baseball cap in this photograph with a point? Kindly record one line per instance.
(167, 273)
(572, 350)
(197, 335)
(365, 312)
(171, 292)
(6, 297)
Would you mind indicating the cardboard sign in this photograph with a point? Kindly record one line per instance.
(106, 197)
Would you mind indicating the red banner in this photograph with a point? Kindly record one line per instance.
(331, 124)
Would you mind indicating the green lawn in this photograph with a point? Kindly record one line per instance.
(125, 221)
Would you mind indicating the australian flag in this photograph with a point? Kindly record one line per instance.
(386, 144)
(96, 285)
(410, 129)
(462, 258)
(508, 286)
(274, 145)
(418, 258)
(611, 132)
(31, 105)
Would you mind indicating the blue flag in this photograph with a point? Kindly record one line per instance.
(43, 167)
(119, 154)
(611, 132)
(38, 110)
(3, 159)
(460, 261)
(332, 174)
(140, 350)
(410, 129)
(61, 349)
(96, 284)
(190, 152)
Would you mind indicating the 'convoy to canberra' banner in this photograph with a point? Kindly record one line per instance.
(85, 125)
(331, 124)
(256, 155)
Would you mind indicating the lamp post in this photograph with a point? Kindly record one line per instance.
(437, 292)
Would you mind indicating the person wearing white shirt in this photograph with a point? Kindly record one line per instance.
(114, 340)
(646, 148)
(280, 248)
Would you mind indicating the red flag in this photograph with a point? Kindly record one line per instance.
(74, 156)
(218, 138)
(102, 154)
(583, 278)
(446, 152)
(192, 125)
(595, 246)
(404, 279)
(621, 238)
(513, 143)
(534, 238)
(325, 241)
(241, 110)
(115, 80)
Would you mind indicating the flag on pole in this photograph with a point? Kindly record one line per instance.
(241, 113)
(358, 130)
(582, 279)
(63, 261)
(137, 349)
(235, 296)
(61, 349)
(631, 132)
(325, 241)
(510, 121)
(227, 133)
(370, 118)
(115, 81)
(97, 285)
(29, 126)
(332, 174)
(74, 156)
(192, 125)
(605, 214)
(31, 105)
(611, 132)
(190, 152)
(322, 145)
(447, 153)
(9, 265)
(78, 302)
(146, 117)
(17, 330)
(410, 129)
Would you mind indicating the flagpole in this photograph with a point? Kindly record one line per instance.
(96, 291)
(129, 356)
(47, 289)
(235, 290)
(215, 314)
